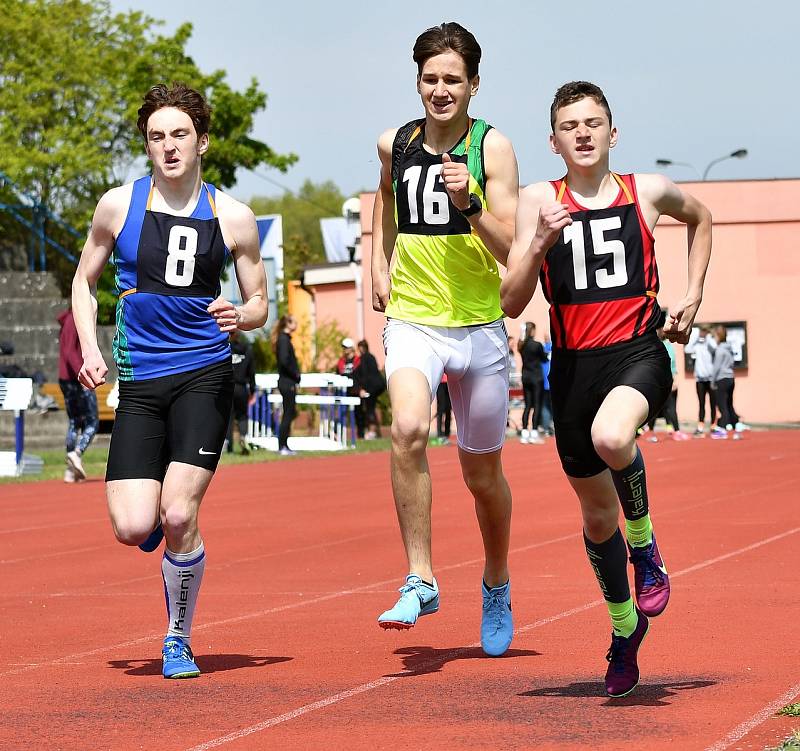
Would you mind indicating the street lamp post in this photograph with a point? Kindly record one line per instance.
(671, 163)
(738, 154)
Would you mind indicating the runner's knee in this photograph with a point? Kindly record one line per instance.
(612, 443)
(180, 519)
(131, 531)
(409, 433)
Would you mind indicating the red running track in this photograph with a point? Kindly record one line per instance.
(304, 554)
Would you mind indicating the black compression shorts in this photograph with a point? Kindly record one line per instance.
(181, 418)
(580, 381)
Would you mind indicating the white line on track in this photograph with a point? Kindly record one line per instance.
(74, 551)
(79, 591)
(364, 687)
(740, 731)
(53, 526)
(261, 613)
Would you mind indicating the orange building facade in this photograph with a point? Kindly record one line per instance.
(753, 277)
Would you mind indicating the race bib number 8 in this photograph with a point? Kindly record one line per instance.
(181, 252)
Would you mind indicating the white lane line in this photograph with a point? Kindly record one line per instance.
(59, 525)
(295, 713)
(725, 556)
(87, 590)
(322, 703)
(262, 613)
(740, 731)
(74, 551)
(364, 687)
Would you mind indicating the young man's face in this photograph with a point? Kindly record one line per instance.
(444, 87)
(172, 142)
(582, 134)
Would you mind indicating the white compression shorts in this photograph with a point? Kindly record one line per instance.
(475, 359)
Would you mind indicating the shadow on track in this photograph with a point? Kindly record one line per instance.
(206, 663)
(644, 695)
(423, 660)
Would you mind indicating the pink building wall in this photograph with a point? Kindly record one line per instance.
(337, 302)
(753, 276)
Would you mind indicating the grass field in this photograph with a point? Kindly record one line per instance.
(790, 744)
(94, 461)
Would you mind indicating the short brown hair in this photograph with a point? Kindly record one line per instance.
(180, 97)
(446, 37)
(573, 92)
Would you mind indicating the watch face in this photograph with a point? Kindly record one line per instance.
(474, 205)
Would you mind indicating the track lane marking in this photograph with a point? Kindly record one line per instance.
(262, 613)
(364, 687)
(740, 731)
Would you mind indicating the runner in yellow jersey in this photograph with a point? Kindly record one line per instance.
(444, 217)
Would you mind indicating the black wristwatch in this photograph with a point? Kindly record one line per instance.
(474, 207)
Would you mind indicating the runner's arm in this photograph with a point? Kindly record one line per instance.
(250, 274)
(668, 199)
(384, 228)
(96, 252)
(538, 224)
(495, 226)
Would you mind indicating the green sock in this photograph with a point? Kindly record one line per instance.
(639, 532)
(623, 617)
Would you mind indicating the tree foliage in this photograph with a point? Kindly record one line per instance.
(72, 77)
(301, 212)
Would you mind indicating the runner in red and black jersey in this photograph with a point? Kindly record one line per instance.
(589, 236)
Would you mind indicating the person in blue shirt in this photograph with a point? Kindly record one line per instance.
(169, 234)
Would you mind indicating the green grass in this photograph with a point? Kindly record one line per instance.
(94, 460)
(791, 710)
(792, 743)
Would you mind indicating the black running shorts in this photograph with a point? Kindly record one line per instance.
(175, 418)
(580, 381)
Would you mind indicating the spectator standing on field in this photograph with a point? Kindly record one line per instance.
(702, 351)
(533, 355)
(80, 403)
(723, 383)
(244, 388)
(288, 378)
(372, 385)
(348, 365)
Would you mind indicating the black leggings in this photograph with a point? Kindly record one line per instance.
(728, 414)
(703, 389)
(533, 392)
(669, 412)
(288, 391)
(443, 411)
(241, 397)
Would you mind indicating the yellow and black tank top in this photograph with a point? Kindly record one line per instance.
(442, 273)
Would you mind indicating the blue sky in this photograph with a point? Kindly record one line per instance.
(687, 81)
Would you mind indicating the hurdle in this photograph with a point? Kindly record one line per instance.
(337, 420)
(15, 395)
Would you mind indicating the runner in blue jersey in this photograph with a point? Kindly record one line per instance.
(170, 235)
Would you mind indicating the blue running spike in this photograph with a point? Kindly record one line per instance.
(416, 598)
(178, 659)
(497, 623)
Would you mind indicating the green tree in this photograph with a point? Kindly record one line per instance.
(301, 212)
(72, 77)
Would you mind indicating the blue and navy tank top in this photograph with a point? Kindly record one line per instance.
(167, 273)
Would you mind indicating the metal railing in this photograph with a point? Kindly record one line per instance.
(36, 224)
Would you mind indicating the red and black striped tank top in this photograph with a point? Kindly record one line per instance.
(600, 277)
